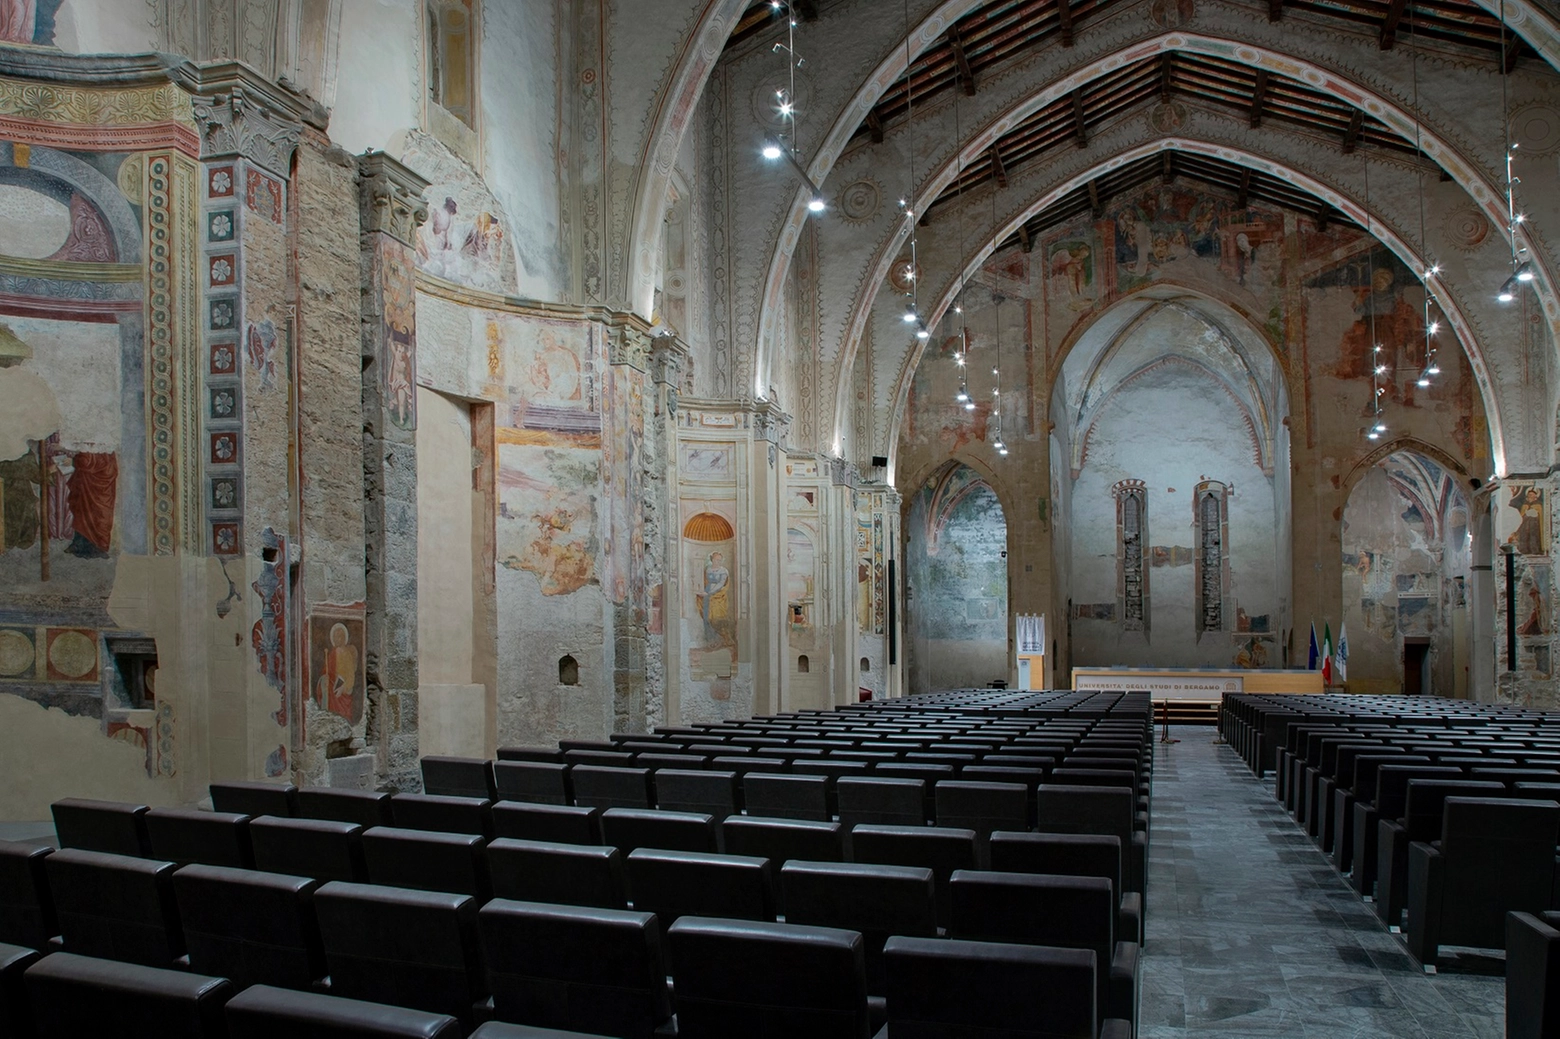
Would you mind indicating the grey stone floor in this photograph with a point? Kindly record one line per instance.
(1251, 932)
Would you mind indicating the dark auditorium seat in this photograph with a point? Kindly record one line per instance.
(629, 828)
(773, 795)
(1072, 855)
(186, 836)
(1388, 786)
(366, 808)
(553, 754)
(1421, 821)
(75, 997)
(255, 799)
(458, 777)
(562, 874)
(941, 849)
(318, 848)
(881, 802)
(250, 927)
(265, 1012)
(578, 968)
(1496, 856)
(878, 901)
(983, 807)
(1092, 809)
(561, 824)
(941, 989)
(116, 907)
(671, 884)
(608, 786)
(534, 782)
(685, 790)
(455, 862)
(415, 949)
(114, 827)
(766, 981)
(15, 1011)
(781, 839)
(26, 906)
(1533, 975)
(443, 814)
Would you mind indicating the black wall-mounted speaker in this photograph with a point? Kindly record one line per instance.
(880, 461)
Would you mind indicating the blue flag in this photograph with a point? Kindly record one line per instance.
(1315, 652)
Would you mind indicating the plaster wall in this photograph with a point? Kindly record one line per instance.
(446, 569)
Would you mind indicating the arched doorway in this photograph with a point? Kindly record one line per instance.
(956, 582)
(1407, 562)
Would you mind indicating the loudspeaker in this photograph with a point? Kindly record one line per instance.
(880, 461)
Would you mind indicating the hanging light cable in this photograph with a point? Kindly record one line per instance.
(996, 369)
(1378, 366)
(960, 356)
(1430, 368)
(1521, 267)
(786, 145)
(912, 315)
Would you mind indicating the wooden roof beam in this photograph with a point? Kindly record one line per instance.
(1167, 167)
(1351, 136)
(875, 126)
(1166, 75)
(1243, 194)
(1024, 241)
(1096, 205)
(1079, 127)
(961, 60)
(998, 170)
(1258, 96)
(1275, 10)
(1508, 58)
(1064, 21)
(1389, 26)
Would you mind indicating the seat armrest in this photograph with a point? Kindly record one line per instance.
(1129, 918)
(1123, 988)
(1426, 879)
(1116, 1028)
(1532, 975)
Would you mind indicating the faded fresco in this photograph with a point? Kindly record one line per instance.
(336, 661)
(463, 239)
(710, 598)
(398, 313)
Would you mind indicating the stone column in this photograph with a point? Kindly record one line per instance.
(668, 362)
(391, 207)
(1524, 603)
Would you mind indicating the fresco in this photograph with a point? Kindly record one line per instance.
(801, 577)
(398, 314)
(710, 601)
(1524, 522)
(464, 237)
(547, 517)
(336, 661)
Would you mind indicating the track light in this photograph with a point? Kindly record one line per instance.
(969, 405)
(1379, 427)
(1508, 290)
(1424, 379)
(772, 149)
(1525, 272)
(1373, 435)
(922, 332)
(962, 396)
(1434, 369)
(816, 204)
(910, 317)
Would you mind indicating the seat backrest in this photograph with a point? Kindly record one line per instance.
(443, 814)
(938, 987)
(366, 808)
(605, 786)
(458, 777)
(265, 1012)
(250, 927)
(1500, 852)
(1061, 854)
(982, 807)
(576, 968)
(560, 874)
(878, 901)
(116, 906)
(671, 884)
(535, 782)
(26, 906)
(409, 948)
(1095, 777)
(737, 978)
(74, 995)
(687, 790)
(1367, 768)
(774, 795)
(628, 828)
(781, 839)
(553, 754)
(1392, 785)
(1426, 798)
(15, 1009)
(884, 802)
(941, 849)
(454, 862)
(560, 824)
(320, 848)
(184, 835)
(256, 798)
(1064, 808)
(116, 827)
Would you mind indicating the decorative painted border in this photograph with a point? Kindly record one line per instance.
(221, 267)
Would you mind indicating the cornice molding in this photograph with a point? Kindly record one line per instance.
(390, 197)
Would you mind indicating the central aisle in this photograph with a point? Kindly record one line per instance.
(1251, 932)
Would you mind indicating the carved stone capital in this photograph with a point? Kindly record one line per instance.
(769, 422)
(390, 197)
(843, 473)
(242, 115)
(629, 343)
(668, 358)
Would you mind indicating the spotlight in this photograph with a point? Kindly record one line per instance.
(962, 396)
(772, 150)
(1508, 290)
(909, 317)
(1434, 369)
(1380, 427)
(922, 332)
(958, 308)
(1435, 326)
(969, 405)
(1373, 435)
(1002, 450)
(1424, 379)
(816, 204)
(1525, 272)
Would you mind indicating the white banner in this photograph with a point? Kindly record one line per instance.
(1162, 686)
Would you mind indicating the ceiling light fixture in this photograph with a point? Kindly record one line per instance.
(783, 145)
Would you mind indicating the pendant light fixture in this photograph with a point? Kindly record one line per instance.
(1430, 368)
(784, 144)
(1521, 266)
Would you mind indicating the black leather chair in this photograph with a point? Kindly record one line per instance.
(255, 799)
(1353, 761)
(534, 782)
(767, 981)
(782, 839)
(116, 906)
(26, 906)
(542, 754)
(577, 968)
(76, 996)
(881, 802)
(559, 874)
(1496, 856)
(459, 777)
(671, 884)
(249, 927)
(15, 1010)
(941, 989)
(320, 848)
(1072, 855)
(984, 808)
(1065, 912)
(1533, 975)
(772, 795)
(608, 786)
(366, 808)
(941, 849)
(1061, 808)
(415, 949)
(455, 862)
(264, 1012)
(1423, 807)
(685, 790)
(185, 836)
(629, 828)
(115, 827)
(438, 813)
(1388, 795)
(560, 824)
(878, 901)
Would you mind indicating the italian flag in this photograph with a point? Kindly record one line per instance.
(1327, 655)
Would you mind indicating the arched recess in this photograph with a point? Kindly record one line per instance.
(956, 581)
(1450, 306)
(1408, 595)
(675, 107)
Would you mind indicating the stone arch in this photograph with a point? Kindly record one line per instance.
(1407, 444)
